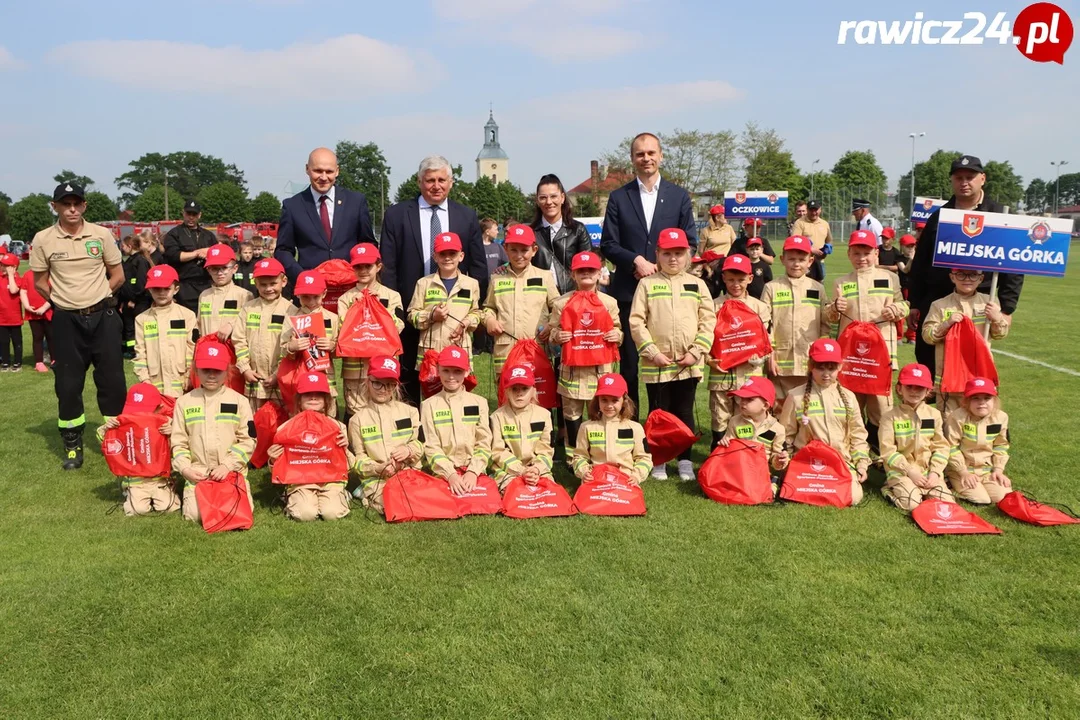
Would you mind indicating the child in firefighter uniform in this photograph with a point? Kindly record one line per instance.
(367, 263)
(164, 335)
(521, 433)
(519, 301)
(310, 290)
(869, 294)
(577, 385)
(737, 278)
(384, 432)
(967, 301)
(795, 302)
(213, 431)
(145, 496)
(609, 436)
(221, 303)
(672, 318)
(754, 421)
(330, 501)
(457, 434)
(445, 305)
(823, 410)
(913, 444)
(978, 435)
(258, 333)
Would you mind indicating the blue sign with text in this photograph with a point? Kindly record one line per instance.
(997, 242)
(758, 204)
(924, 208)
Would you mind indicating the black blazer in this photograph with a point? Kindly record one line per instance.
(404, 257)
(625, 237)
(301, 242)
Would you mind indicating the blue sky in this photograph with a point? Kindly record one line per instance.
(261, 82)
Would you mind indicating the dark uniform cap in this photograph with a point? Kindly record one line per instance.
(64, 189)
(813, 205)
(857, 203)
(192, 207)
(966, 162)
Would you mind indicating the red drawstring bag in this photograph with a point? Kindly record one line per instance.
(817, 475)
(484, 499)
(867, 368)
(529, 353)
(136, 447)
(340, 277)
(937, 517)
(544, 499)
(411, 496)
(587, 320)
(311, 453)
(166, 407)
(268, 419)
(609, 493)
(234, 379)
(311, 327)
(737, 474)
(967, 356)
(739, 335)
(667, 436)
(289, 370)
(368, 330)
(1021, 507)
(224, 504)
(430, 384)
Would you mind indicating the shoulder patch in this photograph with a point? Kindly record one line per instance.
(327, 323)
(881, 282)
(534, 282)
(993, 429)
(471, 410)
(928, 423)
(385, 302)
(769, 435)
(231, 304)
(229, 408)
(277, 319)
(251, 429)
(813, 293)
(536, 426)
(690, 287)
(403, 424)
(625, 433)
(465, 292)
(177, 324)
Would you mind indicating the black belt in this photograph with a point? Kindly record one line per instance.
(105, 304)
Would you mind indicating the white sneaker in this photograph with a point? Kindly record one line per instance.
(686, 471)
(659, 472)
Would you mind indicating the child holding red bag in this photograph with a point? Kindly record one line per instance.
(257, 335)
(445, 305)
(39, 317)
(384, 432)
(825, 411)
(305, 503)
(978, 435)
(521, 433)
(610, 436)
(11, 314)
(754, 421)
(144, 496)
(310, 290)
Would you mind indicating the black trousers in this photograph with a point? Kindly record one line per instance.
(410, 378)
(677, 397)
(79, 342)
(628, 357)
(11, 340)
(41, 330)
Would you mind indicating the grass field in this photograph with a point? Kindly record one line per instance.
(696, 610)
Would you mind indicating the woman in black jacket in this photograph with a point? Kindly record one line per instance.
(559, 237)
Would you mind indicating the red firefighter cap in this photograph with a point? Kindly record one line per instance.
(447, 241)
(141, 398)
(585, 261)
(364, 254)
(268, 268)
(611, 385)
(888, 233)
(710, 255)
(920, 225)
(825, 350)
(312, 382)
(454, 357)
(754, 241)
(716, 210)
(520, 375)
(673, 238)
(865, 238)
(798, 242)
(752, 222)
(310, 282)
(757, 387)
(161, 276)
(980, 386)
(908, 240)
(384, 367)
(212, 356)
(738, 263)
(9, 259)
(218, 255)
(520, 235)
(917, 375)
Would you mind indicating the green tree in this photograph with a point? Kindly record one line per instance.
(931, 178)
(5, 198)
(1037, 197)
(364, 168)
(586, 206)
(224, 202)
(265, 207)
(1066, 188)
(859, 169)
(768, 165)
(189, 172)
(459, 192)
(1003, 184)
(485, 199)
(698, 161)
(513, 205)
(69, 176)
(150, 205)
(29, 215)
(5, 218)
(99, 207)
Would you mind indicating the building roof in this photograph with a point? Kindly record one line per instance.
(1070, 209)
(492, 150)
(615, 179)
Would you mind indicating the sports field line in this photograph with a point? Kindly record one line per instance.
(1014, 356)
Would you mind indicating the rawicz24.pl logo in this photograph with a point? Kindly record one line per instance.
(1041, 32)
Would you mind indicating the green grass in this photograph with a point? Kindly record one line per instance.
(696, 610)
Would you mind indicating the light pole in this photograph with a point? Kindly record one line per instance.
(812, 177)
(166, 194)
(1057, 181)
(913, 136)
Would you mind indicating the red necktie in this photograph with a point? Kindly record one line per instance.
(324, 215)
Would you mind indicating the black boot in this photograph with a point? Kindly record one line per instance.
(717, 436)
(872, 438)
(572, 427)
(73, 451)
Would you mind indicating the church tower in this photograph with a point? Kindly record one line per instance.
(492, 160)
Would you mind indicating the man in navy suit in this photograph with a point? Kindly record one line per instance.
(407, 232)
(636, 213)
(322, 222)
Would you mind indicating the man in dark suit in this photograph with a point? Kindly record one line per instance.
(636, 213)
(407, 232)
(322, 222)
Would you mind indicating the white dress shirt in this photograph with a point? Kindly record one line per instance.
(871, 223)
(648, 201)
(425, 228)
(329, 202)
(555, 228)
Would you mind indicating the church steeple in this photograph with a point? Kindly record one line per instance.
(492, 160)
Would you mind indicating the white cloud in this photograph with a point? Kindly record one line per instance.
(8, 61)
(341, 66)
(490, 10)
(582, 43)
(626, 104)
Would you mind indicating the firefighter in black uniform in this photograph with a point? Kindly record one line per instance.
(77, 267)
(185, 249)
